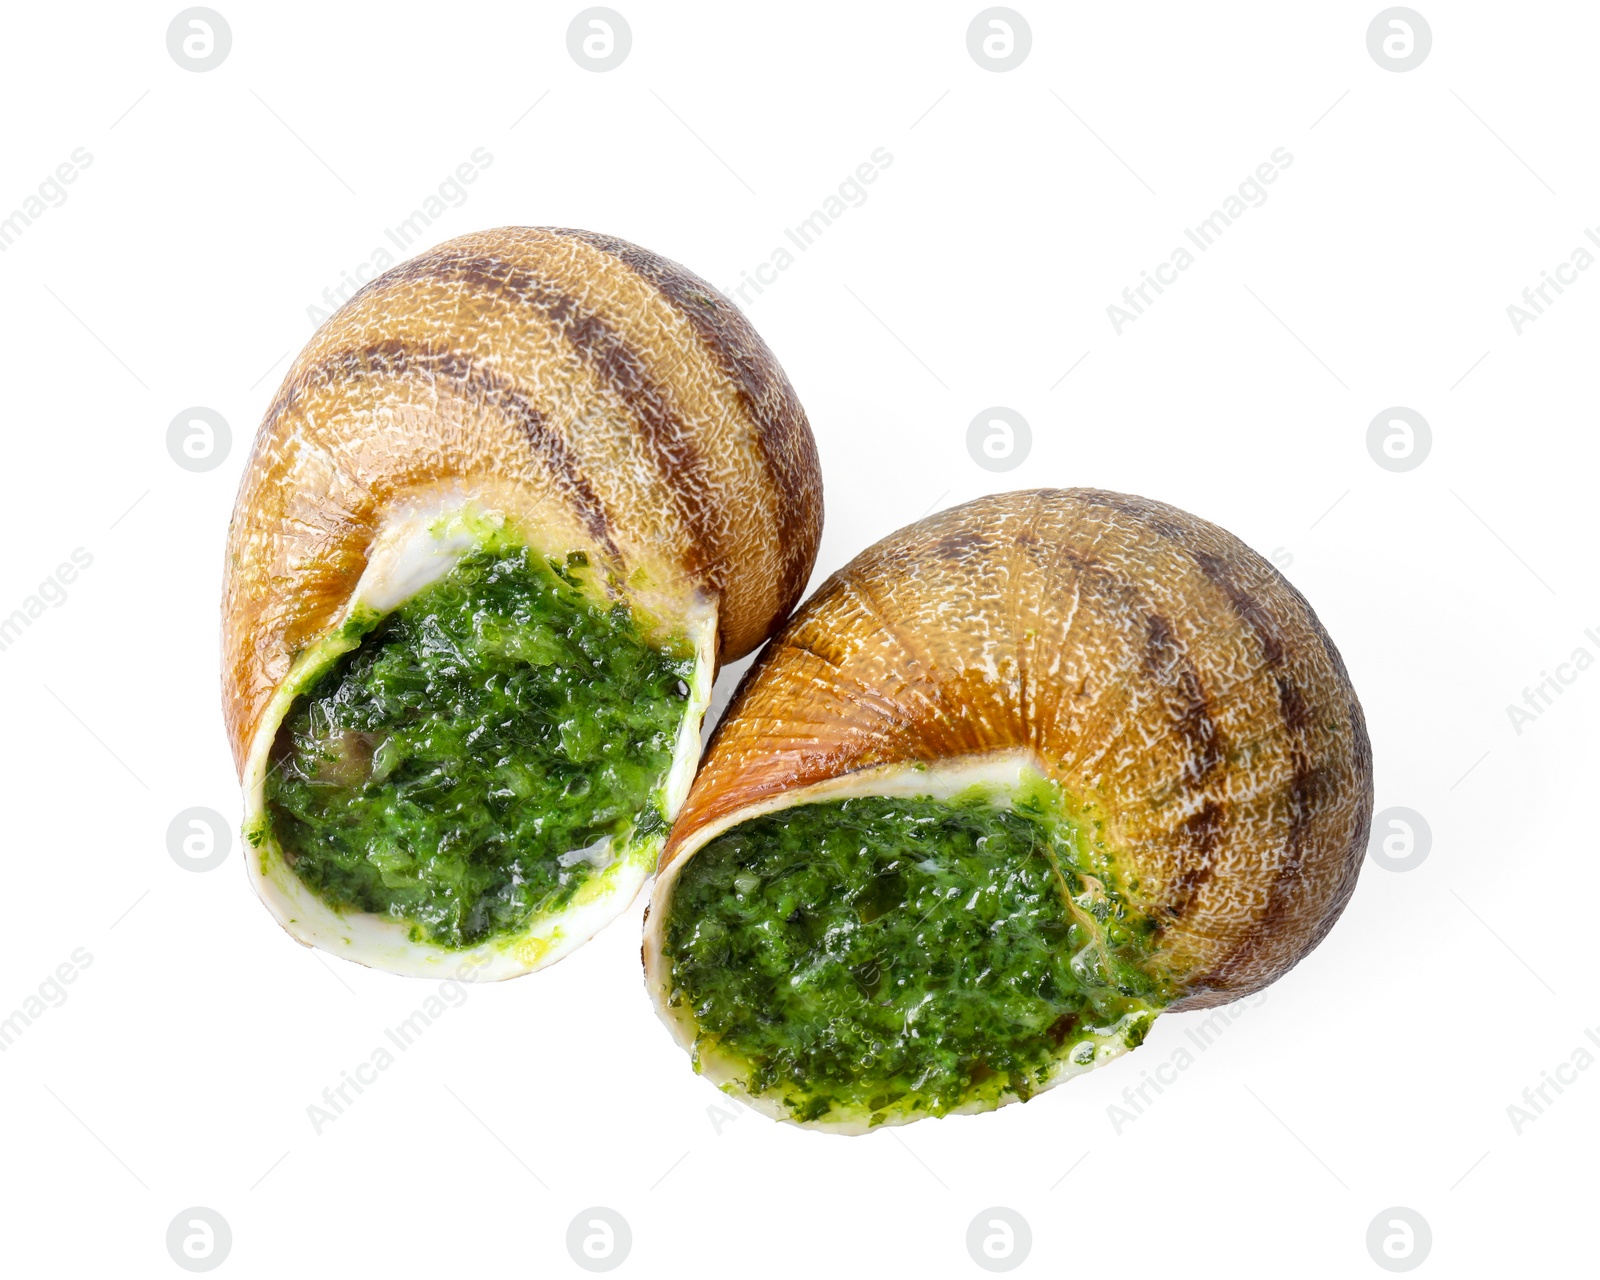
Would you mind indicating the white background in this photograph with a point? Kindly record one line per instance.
(1018, 205)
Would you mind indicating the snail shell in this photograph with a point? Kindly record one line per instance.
(1162, 674)
(589, 394)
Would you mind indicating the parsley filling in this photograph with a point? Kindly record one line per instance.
(870, 958)
(484, 753)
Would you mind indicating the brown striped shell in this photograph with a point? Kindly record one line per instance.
(1155, 667)
(598, 393)
(587, 394)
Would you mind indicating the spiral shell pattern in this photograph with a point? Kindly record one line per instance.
(602, 395)
(1163, 674)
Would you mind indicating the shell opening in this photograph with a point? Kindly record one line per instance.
(852, 960)
(481, 761)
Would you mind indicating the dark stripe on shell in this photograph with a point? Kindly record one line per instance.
(608, 353)
(393, 359)
(1168, 663)
(1244, 604)
(1152, 515)
(962, 544)
(1292, 708)
(1201, 832)
(1305, 777)
(781, 433)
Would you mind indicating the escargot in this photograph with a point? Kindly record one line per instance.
(1013, 782)
(510, 508)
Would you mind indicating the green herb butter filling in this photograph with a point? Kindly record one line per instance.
(484, 753)
(864, 959)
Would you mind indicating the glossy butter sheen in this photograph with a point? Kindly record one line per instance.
(1155, 667)
(885, 956)
(590, 394)
(469, 765)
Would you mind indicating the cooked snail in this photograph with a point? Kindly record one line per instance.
(512, 505)
(1011, 783)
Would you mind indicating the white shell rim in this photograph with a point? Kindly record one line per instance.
(416, 546)
(1002, 773)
